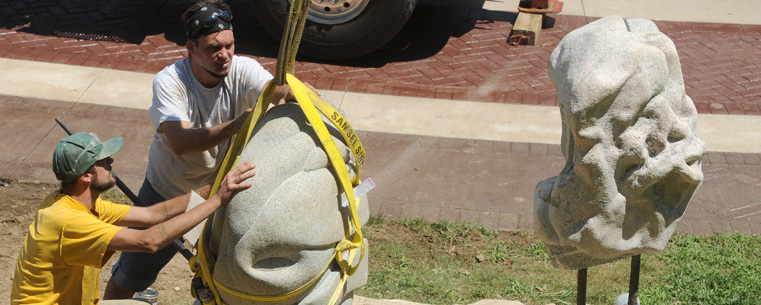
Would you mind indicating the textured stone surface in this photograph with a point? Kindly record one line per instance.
(633, 156)
(280, 233)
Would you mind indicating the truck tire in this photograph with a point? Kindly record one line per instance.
(342, 30)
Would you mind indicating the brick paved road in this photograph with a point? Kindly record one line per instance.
(451, 53)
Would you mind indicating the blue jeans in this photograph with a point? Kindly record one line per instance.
(136, 271)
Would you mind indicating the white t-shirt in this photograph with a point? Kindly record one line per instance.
(178, 96)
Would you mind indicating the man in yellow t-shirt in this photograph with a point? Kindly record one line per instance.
(75, 232)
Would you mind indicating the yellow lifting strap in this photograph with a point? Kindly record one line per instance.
(289, 44)
(353, 242)
(203, 263)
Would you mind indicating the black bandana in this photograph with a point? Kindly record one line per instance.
(207, 20)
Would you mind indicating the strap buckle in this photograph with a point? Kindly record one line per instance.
(203, 292)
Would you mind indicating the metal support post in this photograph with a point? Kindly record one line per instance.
(634, 279)
(581, 287)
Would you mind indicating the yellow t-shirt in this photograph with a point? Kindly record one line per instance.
(64, 250)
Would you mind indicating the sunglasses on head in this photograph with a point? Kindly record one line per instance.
(209, 22)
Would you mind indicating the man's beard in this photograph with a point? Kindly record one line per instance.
(214, 74)
(102, 187)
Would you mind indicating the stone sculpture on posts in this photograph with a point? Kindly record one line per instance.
(630, 140)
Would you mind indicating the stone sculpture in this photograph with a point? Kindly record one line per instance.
(279, 234)
(633, 156)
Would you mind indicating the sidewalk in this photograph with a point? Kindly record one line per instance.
(462, 134)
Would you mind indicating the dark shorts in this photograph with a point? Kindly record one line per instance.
(136, 271)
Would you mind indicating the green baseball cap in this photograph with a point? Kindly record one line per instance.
(77, 152)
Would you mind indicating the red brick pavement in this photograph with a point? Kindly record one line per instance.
(451, 53)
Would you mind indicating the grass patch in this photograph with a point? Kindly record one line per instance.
(454, 263)
(117, 196)
(716, 269)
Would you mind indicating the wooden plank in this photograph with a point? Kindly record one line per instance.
(527, 28)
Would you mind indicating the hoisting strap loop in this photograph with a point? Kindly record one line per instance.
(289, 46)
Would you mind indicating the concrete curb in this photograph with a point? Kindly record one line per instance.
(367, 112)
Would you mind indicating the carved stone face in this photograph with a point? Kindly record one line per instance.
(630, 141)
(279, 234)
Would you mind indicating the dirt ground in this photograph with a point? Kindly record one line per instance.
(20, 201)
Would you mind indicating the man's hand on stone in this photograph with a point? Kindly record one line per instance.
(287, 93)
(235, 180)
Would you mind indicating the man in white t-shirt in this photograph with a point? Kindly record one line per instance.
(199, 103)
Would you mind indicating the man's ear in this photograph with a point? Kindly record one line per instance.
(190, 46)
(87, 177)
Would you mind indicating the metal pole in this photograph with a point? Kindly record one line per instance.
(123, 187)
(581, 287)
(634, 279)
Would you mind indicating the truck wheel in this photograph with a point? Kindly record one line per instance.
(342, 29)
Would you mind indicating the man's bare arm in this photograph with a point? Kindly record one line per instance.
(160, 235)
(144, 217)
(184, 139)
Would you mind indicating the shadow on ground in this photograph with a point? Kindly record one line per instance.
(106, 20)
(426, 33)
